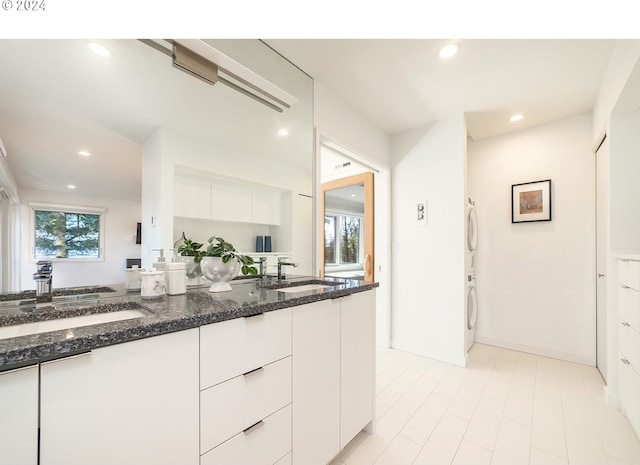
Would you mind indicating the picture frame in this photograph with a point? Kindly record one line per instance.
(531, 201)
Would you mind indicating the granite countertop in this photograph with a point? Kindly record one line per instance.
(163, 315)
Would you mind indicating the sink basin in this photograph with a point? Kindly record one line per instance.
(26, 329)
(303, 288)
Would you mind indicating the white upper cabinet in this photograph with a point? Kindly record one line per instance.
(192, 198)
(226, 201)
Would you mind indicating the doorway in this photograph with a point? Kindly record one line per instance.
(335, 161)
(602, 252)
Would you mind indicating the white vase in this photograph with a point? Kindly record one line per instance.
(219, 273)
(194, 273)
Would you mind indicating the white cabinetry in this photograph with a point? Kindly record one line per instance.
(245, 382)
(333, 375)
(208, 199)
(133, 403)
(629, 339)
(19, 416)
(357, 367)
(192, 198)
(316, 382)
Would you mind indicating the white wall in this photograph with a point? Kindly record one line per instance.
(536, 281)
(428, 267)
(120, 217)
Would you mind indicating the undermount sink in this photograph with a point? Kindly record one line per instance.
(303, 288)
(38, 327)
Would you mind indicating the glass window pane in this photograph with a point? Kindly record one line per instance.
(330, 239)
(350, 239)
(66, 235)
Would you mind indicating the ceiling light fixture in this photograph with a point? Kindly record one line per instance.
(283, 132)
(449, 50)
(201, 60)
(70, 186)
(84, 153)
(99, 50)
(517, 117)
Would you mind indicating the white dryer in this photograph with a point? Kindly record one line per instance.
(471, 313)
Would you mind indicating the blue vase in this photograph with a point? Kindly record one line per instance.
(267, 243)
(259, 246)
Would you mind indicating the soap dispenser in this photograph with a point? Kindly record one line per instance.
(160, 264)
(176, 276)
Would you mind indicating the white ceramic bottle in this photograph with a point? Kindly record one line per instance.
(176, 276)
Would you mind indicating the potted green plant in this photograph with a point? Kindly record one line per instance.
(220, 263)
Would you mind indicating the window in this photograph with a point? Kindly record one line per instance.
(67, 233)
(342, 239)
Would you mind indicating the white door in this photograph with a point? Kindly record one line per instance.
(602, 247)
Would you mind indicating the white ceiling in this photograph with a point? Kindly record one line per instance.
(401, 84)
(50, 107)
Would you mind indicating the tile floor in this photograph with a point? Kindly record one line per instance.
(506, 407)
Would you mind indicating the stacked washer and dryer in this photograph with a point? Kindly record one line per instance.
(471, 313)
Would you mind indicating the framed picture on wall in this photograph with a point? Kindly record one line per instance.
(531, 201)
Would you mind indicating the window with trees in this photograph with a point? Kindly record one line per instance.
(342, 239)
(67, 234)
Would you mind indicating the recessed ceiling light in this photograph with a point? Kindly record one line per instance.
(283, 132)
(449, 50)
(70, 186)
(353, 195)
(517, 117)
(84, 153)
(99, 50)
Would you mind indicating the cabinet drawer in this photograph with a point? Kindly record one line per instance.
(629, 399)
(629, 344)
(629, 306)
(266, 443)
(629, 273)
(233, 347)
(228, 408)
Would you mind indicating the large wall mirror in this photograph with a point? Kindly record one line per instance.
(58, 99)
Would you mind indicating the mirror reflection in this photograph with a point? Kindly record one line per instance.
(84, 131)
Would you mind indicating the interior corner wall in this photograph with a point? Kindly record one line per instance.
(427, 262)
(536, 281)
(121, 218)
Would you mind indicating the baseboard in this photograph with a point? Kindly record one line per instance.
(446, 357)
(567, 356)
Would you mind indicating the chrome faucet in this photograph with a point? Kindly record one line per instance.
(261, 262)
(280, 265)
(44, 278)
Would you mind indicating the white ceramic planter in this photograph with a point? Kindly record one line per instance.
(219, 273)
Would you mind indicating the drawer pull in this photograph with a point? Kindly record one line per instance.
(253, 427)
(624, 323)
(623, 360)
(252, 371)
(624, 287)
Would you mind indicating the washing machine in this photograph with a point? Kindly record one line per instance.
(471, 311)
(471, 296)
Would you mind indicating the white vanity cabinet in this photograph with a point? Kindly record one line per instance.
(629, 339)
(19, 416)
(245, 382)
(133, 403)
(192, 197)
(333, 375)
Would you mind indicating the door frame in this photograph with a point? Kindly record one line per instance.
(367, 179)
(382, 227)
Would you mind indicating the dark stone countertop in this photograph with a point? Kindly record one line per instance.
(164, 315)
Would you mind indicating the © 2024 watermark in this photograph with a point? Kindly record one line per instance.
(23, 5)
